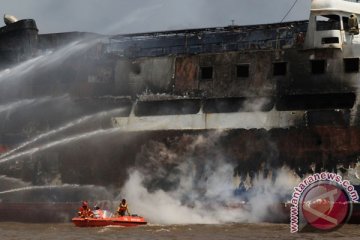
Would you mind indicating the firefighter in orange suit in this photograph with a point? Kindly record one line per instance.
(123, 207)
(85, 211)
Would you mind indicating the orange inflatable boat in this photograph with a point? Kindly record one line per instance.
(125, 221)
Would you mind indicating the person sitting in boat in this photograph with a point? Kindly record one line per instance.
(98, 213)
(123, 207)
(85, 211)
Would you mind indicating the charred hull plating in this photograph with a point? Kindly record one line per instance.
(284, 94)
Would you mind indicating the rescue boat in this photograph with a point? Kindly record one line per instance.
(124, 221)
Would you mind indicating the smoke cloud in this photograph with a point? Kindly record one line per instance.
(214, 203)
(178, 188)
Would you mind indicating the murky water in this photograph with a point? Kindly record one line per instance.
(150, 232)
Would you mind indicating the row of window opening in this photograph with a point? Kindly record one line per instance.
(318, 66)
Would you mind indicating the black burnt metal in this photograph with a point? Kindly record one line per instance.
(18, 42)
(206, 40)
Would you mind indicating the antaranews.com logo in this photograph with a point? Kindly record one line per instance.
(322, 201)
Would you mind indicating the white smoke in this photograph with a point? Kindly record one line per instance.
(217, 205)
(255, 104)
(202, 192)
(268, 194)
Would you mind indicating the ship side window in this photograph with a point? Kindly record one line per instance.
(242, 70)
(328, 22)
(318, 66)
(346, 23)
(171, 107)
(206, 73)
(279, 68)
(351, 65)
(135, 68)
(329, 40)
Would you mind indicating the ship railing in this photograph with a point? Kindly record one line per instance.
(118, 49)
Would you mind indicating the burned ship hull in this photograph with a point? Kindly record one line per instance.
(283, 94)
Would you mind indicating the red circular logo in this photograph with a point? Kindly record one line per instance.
(325, 206)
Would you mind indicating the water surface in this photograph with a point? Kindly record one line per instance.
(152, 232)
